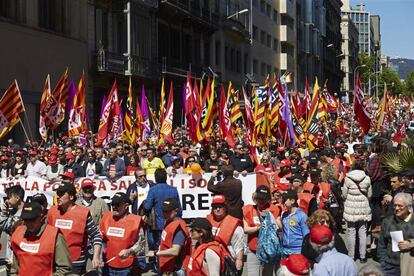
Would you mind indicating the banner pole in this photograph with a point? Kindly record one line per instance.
(24, 129)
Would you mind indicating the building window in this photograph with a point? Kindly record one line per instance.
(233, 59)
(227, 57)
(218, 52)
(268, 41)
(275, 46)
(275, 16)
(255, 32)
(246, 63)
(262, 37)
(255, 67)
(268, 10)
(238, 61)
(207, 52)
(263, 69)
(269, 69)
(262, 6)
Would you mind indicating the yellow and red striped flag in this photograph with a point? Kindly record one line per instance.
(45, 97)
(61, 90)
(233, 104)
(129, 131)
(166, 127)
(11, 105)
(383, 109)
(77, 117)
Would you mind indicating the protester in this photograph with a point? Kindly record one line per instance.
(123, 235)
(92, 167)
(72, 166)
(207, 258)
(35, 167)
(357, 192)
(75, 222)
(213, 163)
(321, 217)
(114, 167)
(293, 224)
(329, 260)
(138, 190)
(230, 187)
(19, 168)
(295, 264)
(38, 248)
(157, 194)
(152, 163)
(240, 161)
(175, 244)
(397, 262)
(96, 205)
(227, 229)
(53, 169)
(253, 215)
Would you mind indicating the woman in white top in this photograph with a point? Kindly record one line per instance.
(54, 169)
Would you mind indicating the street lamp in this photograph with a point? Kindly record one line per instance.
(237, 13)
(356, 68)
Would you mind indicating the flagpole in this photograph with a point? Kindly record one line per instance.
(27, 121)
(24, 129)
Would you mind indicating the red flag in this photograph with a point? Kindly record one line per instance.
(225, 123)
(110, 118)
(306, 102)
(360, 110)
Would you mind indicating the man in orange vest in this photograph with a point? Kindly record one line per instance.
(307, 201)
(227, 229)
(77, 227)
(38, 248)
(175, 244)
(123, 234)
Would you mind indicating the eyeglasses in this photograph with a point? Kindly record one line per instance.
(60, 193)
(239, 148)
(217, 206)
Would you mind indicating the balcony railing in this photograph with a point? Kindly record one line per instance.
(287, 34)
(118, 63)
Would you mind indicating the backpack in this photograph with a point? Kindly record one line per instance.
(269, 248)
(229, 267)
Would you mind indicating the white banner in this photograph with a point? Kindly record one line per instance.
(195, 198)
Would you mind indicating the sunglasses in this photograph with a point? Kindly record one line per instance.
(60, 193)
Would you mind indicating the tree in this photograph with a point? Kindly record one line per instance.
(409, 84)
(392, 79)
(366, 72)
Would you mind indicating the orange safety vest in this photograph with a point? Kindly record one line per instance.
(118, 235)
(250, 215)
(304, 200)
(194, 266)
(72, 225)
(325, 190)
(308, 186)
(35, 256)
(168, 264)
(229, 224)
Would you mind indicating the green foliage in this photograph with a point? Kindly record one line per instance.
(366, 72)
(409, 84)
(393, 81)
(396, 162)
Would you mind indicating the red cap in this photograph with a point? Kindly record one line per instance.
(280, 149)
(64, 137)
(69, 156)
(285, 163)
(320, 234)
(4, 158)
(54, 150)
(87, 182)
(20, 153)
(296, 264)
(33, 152)
(52, 159)
(218, 199)
(69, 175)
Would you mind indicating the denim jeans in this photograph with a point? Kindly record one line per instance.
(109, 271)
(353, 227)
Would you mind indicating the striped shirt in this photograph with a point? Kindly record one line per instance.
(94, 238)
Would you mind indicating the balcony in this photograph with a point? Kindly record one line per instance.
(286, 62)
(179, 10)
(105, 61)
(174, 67)
(237, 27)
(287, 34)
(287, 8)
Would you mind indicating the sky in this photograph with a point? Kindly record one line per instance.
(397, 25)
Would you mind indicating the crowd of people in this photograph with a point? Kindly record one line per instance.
(330, 207)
